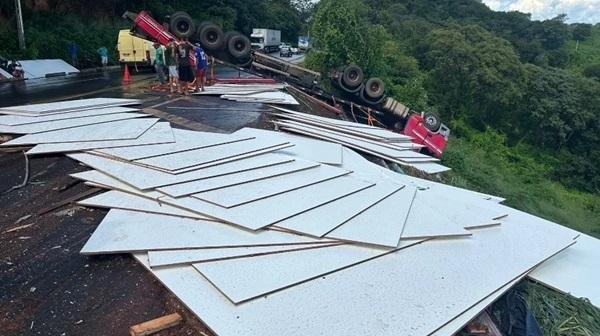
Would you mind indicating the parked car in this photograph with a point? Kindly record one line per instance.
(285, 51)
(295, 50)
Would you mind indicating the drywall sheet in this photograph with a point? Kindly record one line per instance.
(39, 68)
(127, 231)
(429, 168)
(392, 151)
(115, 130)
(387, 296)
(70, 105)
(459, 322)
(382, 224)
(575, 271)
(254, 215)
(376, 132)
(114, 199)
(275, 97)
(15, 120)
(246, 279)
(159, 133)
(189, 256)
(207, 155)
(304, 147)
(68, 123)
(248, 192)
(188, 188)
(426, 219)
(146, 178)
(321, 220)
(376, 135)
(184, 141)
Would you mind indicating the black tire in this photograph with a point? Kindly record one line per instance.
(182, 25)
(352, 76)
(432, 121)
(347, 89)
(238, 45)
(374, 88)
(211, 37)
(368, 100)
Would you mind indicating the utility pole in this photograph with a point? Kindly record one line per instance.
(20, 30)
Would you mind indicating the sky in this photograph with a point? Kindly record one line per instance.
(581, 11)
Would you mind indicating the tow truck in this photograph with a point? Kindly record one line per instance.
(352, 91)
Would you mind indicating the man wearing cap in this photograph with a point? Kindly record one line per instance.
(201, 65)
(159, 62)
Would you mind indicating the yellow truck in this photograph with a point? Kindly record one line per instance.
(134, 50)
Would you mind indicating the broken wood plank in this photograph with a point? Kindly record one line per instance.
(156, 325)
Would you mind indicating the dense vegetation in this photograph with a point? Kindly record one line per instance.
(522, 97)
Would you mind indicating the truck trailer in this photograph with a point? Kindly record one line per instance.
(267, 40)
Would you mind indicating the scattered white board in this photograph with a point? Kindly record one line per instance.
(159, 133)
(68, 123)
(116, 130)
(14, 120)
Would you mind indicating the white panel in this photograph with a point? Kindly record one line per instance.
(68, 123)
(185, 140)
(145, 178)
(189, 256)
(159, 133)
(237, 178)
(427, 219)
(391, 295)
(381, 224)
(319, 221)
(115, 199)
(254, 215)
(116, 130)
(14, 120)
(245, 279)
(196, 157)
(575, 271)
(127, 231)
(68, 106)
(248, 192)
(304, 147)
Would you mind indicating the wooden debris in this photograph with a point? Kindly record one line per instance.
(156, 325)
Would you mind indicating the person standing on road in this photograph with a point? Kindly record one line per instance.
(103, 52)
(170, 61)
(73, 53)
(184, 65)
(201, 66)
(159, 62)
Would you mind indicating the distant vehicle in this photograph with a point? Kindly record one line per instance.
(295, 50)
(135, 50)
(265, 39)
(285, 50)
(304, 43)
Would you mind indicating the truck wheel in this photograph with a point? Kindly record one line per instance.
(368, 100)
(352, 76)
(347, 89)
(374, 88)
(432, 121)
(238, 45)
(210, 36)
(182, 25)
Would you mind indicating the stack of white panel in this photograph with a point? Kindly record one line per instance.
(372, 140)
(251, 93)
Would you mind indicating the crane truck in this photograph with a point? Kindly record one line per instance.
(235, 49)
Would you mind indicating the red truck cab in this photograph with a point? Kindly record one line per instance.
(434, 142)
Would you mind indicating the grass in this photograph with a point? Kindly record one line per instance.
(484, 163)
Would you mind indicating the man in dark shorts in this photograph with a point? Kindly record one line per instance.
(184, 64)
(201, 65)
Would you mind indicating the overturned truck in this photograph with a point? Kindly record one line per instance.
(235, 49)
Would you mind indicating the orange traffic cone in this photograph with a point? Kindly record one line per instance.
(126, 75)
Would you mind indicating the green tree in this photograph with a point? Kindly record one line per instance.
(342, 35)
(472, 75)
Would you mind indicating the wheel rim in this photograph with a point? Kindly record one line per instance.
(183, 26)
(211, 37)
(430, 120)
(353, 75)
